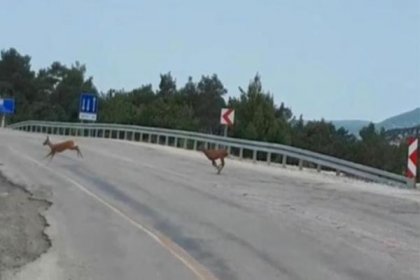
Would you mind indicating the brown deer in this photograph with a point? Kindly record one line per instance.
(61, 147)
(215, 154)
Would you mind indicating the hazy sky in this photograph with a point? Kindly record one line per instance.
(336, 59)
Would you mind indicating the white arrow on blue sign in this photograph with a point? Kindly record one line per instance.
(88, 107)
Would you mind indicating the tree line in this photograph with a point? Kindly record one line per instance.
(53, 93)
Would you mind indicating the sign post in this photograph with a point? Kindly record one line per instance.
(7, 107)
(413, 144)
(227, 118)
(88, 107)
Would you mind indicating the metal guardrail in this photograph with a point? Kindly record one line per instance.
(192, 140)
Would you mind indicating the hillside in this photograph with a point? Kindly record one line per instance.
(407, 119)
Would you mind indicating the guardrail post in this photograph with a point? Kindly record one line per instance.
(150, 138)
(185, 143)
(133, 134)
(268, 158)
(300, 164)
(125, 135)
(318, 168)
(241, 153)
(195, 145)
(176, 142)
(284, 160)
(337, 172)
(166, 140)
(229, 149)
(254, 155)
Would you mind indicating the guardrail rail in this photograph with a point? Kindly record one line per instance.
(269, 152)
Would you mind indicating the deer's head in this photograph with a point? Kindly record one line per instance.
(46, 141)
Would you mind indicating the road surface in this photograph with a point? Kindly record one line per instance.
(139, 211)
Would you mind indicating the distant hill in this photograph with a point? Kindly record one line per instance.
(408, 119)
(404, 120)
(352, 126)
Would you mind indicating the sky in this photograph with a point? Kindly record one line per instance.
(331, 59)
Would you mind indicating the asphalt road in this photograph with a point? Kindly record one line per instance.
(139, 211)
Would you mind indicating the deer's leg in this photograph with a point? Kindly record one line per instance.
(222, 164)
(49, 154)
(76, 148)
(213, 162)
(78, 151)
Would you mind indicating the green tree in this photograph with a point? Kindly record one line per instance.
(167, 85)
(208, 103)
(257, 117)
(17, 80)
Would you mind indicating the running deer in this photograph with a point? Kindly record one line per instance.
(215, 154)
(61, 147)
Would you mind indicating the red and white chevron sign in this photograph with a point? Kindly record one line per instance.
(227, 116)
(413, 144)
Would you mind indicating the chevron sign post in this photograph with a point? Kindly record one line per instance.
(413, 144)
(227, 117)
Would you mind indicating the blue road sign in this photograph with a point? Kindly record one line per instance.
(7, 106)
(88, 107)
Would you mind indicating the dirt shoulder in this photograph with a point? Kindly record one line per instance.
(22, 237)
